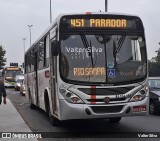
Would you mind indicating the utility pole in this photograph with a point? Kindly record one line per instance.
(24, 39)
(50, 11)
(106, 5)
(30, 32)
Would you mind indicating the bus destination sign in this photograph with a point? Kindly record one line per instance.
(100, 23)
(103, 22)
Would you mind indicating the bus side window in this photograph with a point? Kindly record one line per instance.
(32, 62)
(54, 47)
(41, 54)
(28, 65)
(44, 56)
(47, 43)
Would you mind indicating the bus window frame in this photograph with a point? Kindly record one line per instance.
(141, 33)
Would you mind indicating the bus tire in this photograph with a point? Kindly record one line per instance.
(115, 119)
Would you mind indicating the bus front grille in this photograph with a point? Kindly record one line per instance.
(107, 109)
(102, 100)
(106, 91)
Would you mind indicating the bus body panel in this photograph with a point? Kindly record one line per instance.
(43, 84)
(77, 111)
(29, 84)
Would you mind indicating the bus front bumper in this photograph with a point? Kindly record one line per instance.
(83, 111)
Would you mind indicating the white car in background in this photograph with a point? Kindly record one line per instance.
(18, 81)
(22, 88)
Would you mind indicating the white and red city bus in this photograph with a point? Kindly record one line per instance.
(10, 73)
(89, 65)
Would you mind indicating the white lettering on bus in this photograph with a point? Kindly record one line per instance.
(79, 50)
(82, 52)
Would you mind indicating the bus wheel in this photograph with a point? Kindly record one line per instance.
(115, 119)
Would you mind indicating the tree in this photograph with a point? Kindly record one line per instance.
(154, 66)
(2, 55)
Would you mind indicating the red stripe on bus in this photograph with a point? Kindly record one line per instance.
(93, 89)
(93, 94)
(88, 13)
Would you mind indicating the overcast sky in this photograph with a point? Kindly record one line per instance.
(15, 15)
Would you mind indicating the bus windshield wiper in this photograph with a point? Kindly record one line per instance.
(117, 47)
(119, 44)
(87, 45)
(93, 65)
(84, 40)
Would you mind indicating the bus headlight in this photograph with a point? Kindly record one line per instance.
(137, 97)
(71, 97)
(140, 95)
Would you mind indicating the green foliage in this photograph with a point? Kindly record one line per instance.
(158, 59)
(2, 59)
(154, 68)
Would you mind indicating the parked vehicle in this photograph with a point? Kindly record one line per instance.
(19, 80)
(154, 88)
(19, 77)
(22, 88)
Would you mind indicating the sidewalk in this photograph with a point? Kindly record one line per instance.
(11, 121)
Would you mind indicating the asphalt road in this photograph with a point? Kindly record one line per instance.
(38, 121)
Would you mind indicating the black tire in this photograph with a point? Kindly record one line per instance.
(152, 108)
(115, 119)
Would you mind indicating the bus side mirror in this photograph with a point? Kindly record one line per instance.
(54, 48)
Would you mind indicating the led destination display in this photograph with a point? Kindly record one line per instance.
(102, 22)
(89, 71)
(110, 23)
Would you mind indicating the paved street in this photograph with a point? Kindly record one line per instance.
(38, 121)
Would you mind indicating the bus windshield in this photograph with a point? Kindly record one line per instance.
(103, 58)
(13, 73)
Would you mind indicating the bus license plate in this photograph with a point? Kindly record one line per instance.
(139, 108)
